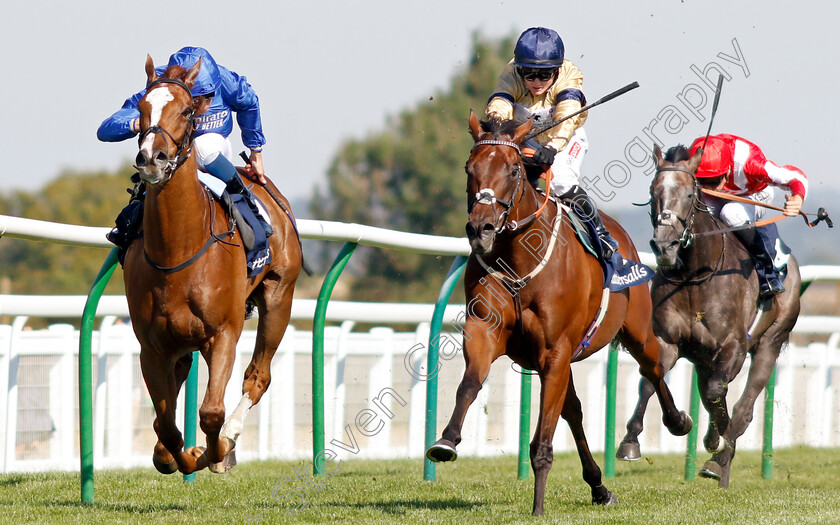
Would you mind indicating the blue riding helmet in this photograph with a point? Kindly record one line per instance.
(539, 48)
(208, 79)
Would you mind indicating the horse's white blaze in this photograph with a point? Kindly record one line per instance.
(236, 422)
(157, 98)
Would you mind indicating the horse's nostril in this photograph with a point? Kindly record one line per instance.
(470, 231)
(654, 248)
(140, 160)
(486, 229)
(160, 157)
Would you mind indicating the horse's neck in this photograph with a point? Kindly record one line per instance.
(175, 216)
(524, 249)
(705, 249)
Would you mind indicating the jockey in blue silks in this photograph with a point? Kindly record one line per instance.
(222, 93)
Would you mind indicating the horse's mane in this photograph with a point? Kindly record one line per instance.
(498, 127)
(677, 153)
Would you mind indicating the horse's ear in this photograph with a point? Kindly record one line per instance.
(657, 155)
(522, 131)
(151, 75)
(475, 125)
(192, 74)
(694, 161)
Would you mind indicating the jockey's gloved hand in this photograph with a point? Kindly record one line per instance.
(544, 155)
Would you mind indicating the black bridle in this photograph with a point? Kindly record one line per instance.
(185, 144)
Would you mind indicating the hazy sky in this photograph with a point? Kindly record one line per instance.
(328, 71)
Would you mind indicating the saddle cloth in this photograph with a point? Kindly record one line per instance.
(619, 272)
(257, 250)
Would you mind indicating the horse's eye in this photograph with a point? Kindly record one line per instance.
(187, 113)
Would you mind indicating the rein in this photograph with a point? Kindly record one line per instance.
(212, 239)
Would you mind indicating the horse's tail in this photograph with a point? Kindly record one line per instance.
(277, 197)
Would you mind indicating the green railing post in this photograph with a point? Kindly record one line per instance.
(446, 289)
(86, 375)
(691, 443)
(767, 450)
(524, 425)
(609, 432)
(190, 407)
(318, 324)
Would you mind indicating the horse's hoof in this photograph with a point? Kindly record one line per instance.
(225, 465)
(602, 496)
(442, 450)
(684, 427)
(628, 451)
(165, 468)
(711, 470)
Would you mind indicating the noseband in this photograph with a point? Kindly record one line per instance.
(185, 144)
(488, 196)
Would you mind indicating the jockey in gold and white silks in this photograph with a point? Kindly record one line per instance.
(511, 100)
(540, 83)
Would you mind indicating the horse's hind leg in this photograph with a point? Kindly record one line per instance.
(761, 368)
(163, 380)
(647, 354)
(275, 307)
(558, 397)
(629, 449)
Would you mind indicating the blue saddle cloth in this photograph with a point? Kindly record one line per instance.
(260, 254)
(618, 271)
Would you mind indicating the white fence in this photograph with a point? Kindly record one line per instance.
(375, 401)
(375, 395)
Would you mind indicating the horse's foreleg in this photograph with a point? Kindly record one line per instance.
(163, 380)
(478, 357)
(211, 414)
(654, 363)
(713, 389)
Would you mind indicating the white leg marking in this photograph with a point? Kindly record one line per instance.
(236, 422)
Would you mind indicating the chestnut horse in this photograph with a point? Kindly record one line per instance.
(542, 323)
(705, 304)
(187, 286)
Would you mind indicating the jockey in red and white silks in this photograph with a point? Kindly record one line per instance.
(735, 165)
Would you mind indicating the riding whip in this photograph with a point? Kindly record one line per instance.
(714, 108)
(600, 101)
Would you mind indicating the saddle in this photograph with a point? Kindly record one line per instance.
(129, 222)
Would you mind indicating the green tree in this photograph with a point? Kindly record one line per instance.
(88, 199)
(410, 177)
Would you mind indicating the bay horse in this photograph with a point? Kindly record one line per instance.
(187, 286)
(705, 305)
(540, 324)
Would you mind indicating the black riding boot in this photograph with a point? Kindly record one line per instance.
(235, 185)
(129, 219)
(584, 205)
(761, 243)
